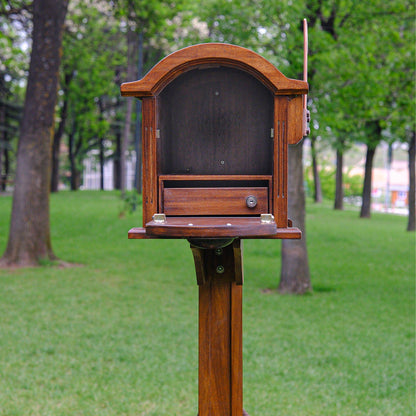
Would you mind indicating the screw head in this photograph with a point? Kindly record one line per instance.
(251, 201)
(220, 269)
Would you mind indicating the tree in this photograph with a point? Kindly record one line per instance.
(294, 274)
(317, 189)
(150, 28)
(358, 75)
(15, 28)
(29, 237)
(275, 35)
(411, 223)
(88, 96)
(401, 123)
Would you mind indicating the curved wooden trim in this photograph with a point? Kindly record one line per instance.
(212, 54)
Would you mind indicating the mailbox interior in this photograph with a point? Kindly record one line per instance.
(215, 145)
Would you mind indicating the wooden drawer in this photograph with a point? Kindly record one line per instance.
(214, 201)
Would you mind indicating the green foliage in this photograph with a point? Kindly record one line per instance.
(91, 57)
(367, 71)
(352, 184)
(116, 333)
(131, 200)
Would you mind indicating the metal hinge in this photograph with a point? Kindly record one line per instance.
(266, 218)
(159, 218)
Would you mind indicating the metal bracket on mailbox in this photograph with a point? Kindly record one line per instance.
(159, 218)
(266, 218)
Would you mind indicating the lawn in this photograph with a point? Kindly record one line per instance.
(117, 334)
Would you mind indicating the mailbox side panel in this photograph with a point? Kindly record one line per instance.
(280, 160)
(149, 154)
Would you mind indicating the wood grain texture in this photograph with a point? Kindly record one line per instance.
(280, 161)
(236, 348)
(242, 178)
(212, 54)
(238, 261)
(211, 227)
(149, 159)
(295, 120)
(214, 201)
(220, 377)
(201, 275)
(138, 233)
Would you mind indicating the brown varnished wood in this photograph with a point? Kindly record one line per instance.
(217, 122)
(280, 161)
(201, 275)
(238, 261)
(211, 227)
(138, 233)
(243, 178)
(211, 122)
(236, 348)
(214, 201)
(295, 117)
(220, 377)
(149, 159)
(212, 54)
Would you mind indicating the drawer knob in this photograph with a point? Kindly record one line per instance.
(251, 201)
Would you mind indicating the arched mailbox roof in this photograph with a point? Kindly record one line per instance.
(213, 54)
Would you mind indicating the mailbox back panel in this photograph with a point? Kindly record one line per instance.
(215, 121)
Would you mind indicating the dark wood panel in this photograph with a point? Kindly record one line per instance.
(214, 201)
(216, 121)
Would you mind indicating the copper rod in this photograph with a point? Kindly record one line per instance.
(305, 58)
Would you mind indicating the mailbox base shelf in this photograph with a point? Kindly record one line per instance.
(214, 227)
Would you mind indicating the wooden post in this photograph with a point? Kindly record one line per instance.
(219, 276)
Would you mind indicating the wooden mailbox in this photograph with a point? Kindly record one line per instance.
(217, 120)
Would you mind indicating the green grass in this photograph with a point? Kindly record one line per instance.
(117, 335)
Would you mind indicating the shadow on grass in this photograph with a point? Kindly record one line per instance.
(316, 289)
(323, 289)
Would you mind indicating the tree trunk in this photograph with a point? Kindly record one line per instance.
(101, 144)
(138, 133)
(57, 138)
(116, 163)
(56, 147)
(2, 145)
(366, 202)
(339, 186)
(294, 276)
(75, 175)
(317, 194)
(131, 72)
(6, 168)
(29, 237)
(55, 161)
(412, 184)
